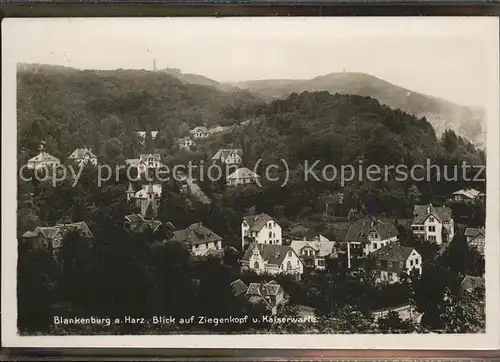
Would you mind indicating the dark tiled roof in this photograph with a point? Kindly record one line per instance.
(226, 152)
(195, 234)
(80, 153)
(421, 212)
(271, 288)
(471, 283)
(392, 252)
(43, 156)
(474, 232)
(51, 232)
(239, 287)
(81, 227)
(145, 156)
(273, 254)
(134, 218)
(262, 292)
(140, 224)
(257, 222)
(360, 229)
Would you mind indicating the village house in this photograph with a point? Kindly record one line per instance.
(467, 195)
(228, 156)
(199, 239)
(142, 136)
(313, 253)
(83, 156)
(199, 132)
(272, 259)
(43, 159)
(186, 143)
(262, 229)
(144, 162)
(476, 238)
(242, 176)
(271, 294)
(148, 197)
(393, 260)
(137, 223)
(51, 237)
(433, 224)
(370, 234)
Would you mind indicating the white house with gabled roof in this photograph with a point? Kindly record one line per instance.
(262, 229)
(433, 224)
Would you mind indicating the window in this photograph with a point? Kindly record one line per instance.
(375, 246)
(411, 262)
(432, 237)
(432, 228)
(431, 219)
(196, 246)
(289, 265)
(389, 276)
(416, 261)
(256, 265)
(270, 234)
(290, 253)
(206, 245)
(321, 262)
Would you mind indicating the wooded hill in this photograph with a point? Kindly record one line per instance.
(442, 114)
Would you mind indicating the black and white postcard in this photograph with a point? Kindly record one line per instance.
(250, 182)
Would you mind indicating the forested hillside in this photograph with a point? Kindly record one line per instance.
(120, 273)
(70, 108)
(442, 114)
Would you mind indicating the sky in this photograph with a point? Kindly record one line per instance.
(450, 58)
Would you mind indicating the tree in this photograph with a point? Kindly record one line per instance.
(393, 323)
(460, 314)
(461, 258)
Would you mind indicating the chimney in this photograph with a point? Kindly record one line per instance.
(277, 254)
(305, 239)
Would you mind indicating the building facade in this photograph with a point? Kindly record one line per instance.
(476, 238)
(371, 233)
(229, 156)
(199, 239)
(262, 229)
(199, 133)
(433, 224)
(242, 176)
(147, 198)
(272, 259)
(393, 259)
(314, 253)
(43, 159)
(83, 156)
